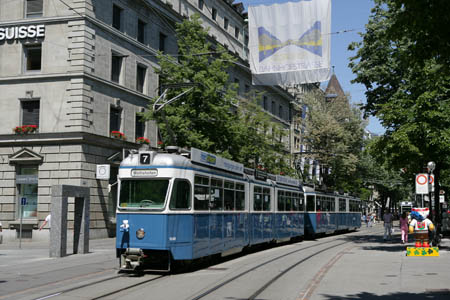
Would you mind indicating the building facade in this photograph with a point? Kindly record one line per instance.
(74, 77)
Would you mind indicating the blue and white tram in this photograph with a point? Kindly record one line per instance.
(329, 213)
(184, 207)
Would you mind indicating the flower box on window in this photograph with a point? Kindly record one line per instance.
(143, 140)
(118, 135)
(25, 129)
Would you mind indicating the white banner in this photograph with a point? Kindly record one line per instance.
(290, 42)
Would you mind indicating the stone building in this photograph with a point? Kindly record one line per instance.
(74, 76)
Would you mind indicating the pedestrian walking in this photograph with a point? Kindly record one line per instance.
(404, 227)
(371, 221)
(387, 218)
(364, 218)
(48, 220)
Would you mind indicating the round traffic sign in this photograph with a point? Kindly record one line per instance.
(421, 179)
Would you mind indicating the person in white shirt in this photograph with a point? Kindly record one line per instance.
(48, 220)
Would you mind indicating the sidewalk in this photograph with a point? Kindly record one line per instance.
(380, 270)
(29, 271)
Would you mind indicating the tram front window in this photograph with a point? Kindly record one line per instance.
(146, 194)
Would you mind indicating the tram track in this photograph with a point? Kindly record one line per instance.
(273, 279)
(279, 275)
(131, 284)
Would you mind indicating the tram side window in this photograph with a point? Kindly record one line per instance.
(266, 195)
(240, 196)
(302, 202)
(342, 205)
(229, 195)
(281, 201)
(201, 193)
(216, 194)
(257, 198)
(319, 203)
(181, 195)
(295, 201)
(310, 203)
(288, 201)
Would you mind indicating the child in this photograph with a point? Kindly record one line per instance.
(404, 227)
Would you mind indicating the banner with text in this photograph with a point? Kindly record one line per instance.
(290, 42)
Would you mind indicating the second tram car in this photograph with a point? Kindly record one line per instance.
(185, 206)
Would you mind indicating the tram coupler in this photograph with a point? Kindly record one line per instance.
(131, 259)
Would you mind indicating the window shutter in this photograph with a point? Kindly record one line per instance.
(30, 110)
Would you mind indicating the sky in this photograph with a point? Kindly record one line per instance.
(345, 15)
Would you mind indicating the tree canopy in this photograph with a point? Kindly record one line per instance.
(212, 116)
(334, 137)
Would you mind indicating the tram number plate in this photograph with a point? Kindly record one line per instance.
(145, 158)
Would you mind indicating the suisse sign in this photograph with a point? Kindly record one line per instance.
(22, 32)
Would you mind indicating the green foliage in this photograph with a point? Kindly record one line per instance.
(210, 117)
(407, 81)
(334, 133)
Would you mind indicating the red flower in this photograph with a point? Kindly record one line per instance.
(143, 140)
(118, 135)
(160, 143)
(25, 128)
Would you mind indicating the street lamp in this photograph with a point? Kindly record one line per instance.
(430, 167)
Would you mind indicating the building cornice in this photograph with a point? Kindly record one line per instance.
(64, 138)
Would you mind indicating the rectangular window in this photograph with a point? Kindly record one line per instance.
(214, 14)
(216, 194)
(246, 40)
(141, 73)
(34, 8)
(116, 67)
(342, 204)
(225, 23)
(30, 112)
(201, 193)
(266, 199)
(115, 118)
(28, 190)
(265, 102)
(140, 126)
(143, 194)
(200, 4)
(310, 205)
(273, 107)
(33, 57)
(240, 196)
(141, 31)
(181, 195)
(117, 17)
(281, 201)
(162, 42)
(236, 32)
(280, 111)
(229, 195)
(257, 199)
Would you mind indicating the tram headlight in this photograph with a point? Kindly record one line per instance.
(140, 233)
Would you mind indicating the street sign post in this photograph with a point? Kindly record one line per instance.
(422, 183)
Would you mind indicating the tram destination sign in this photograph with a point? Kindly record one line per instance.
(212, 160)
(22, 32)
(288, 181)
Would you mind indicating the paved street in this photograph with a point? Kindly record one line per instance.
(360, 266)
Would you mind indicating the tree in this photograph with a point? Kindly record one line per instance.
(334, 135)
(407, 83)
(210, 116)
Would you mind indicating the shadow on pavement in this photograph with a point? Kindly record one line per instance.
(432, 294)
